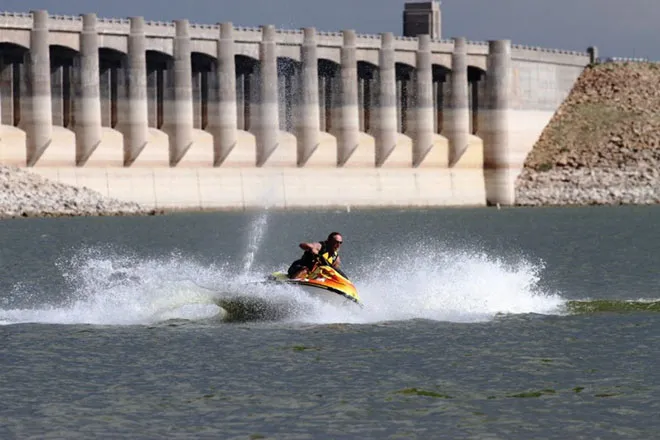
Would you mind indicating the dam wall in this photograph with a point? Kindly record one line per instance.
(195, 116)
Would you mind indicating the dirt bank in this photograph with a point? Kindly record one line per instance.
(603, 144)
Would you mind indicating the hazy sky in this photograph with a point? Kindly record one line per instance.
(624, 28)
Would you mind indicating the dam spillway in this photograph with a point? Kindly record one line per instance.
(187, 116)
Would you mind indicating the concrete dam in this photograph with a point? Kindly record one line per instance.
(194, 116)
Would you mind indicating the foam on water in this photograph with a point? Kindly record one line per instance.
(110, 288)
(452, 285)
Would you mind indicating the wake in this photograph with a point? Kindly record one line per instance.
(111, 288)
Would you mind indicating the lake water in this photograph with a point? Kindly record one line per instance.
(477, 324)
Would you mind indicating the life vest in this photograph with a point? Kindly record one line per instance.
(327, 255)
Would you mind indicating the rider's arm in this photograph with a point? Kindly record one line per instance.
(310, 247)
(337, 262)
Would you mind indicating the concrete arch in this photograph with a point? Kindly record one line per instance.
(369, 56)
(204, 87)
(289, 90)
(12, 85)
(111, 91)
(368, 75)
(476, 90)
(204, 47)
(203, 68)
(159, 66)
(441, 75)
(289, 52)
(16, 37)
(11, 50)
(111, 65)
(113, 43)
(63, 59)
(247, 90)
(405, 57)
(160, 45)
(331, 54)
(67, 40)
(329, 93)
(246, 49)
(405, 75)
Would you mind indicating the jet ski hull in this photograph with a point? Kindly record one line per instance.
(326, 285)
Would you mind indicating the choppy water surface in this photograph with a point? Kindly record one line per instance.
(478, 323)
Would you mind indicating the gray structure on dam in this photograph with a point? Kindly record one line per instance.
(121, 105)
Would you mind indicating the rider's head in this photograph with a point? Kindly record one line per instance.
(335, 240)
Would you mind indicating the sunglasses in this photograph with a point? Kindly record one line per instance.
(338, 242)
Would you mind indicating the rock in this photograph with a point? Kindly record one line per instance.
(603, 144)
(27, 194)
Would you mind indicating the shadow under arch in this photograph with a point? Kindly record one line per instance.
(405, 75)
(12, 85)
(289, 87)
(476, 90)
(63, 60)
(247, 90)
(111, 65)
(440, 95)
(157, 71)
(329, 93)
(368, 75)
(204, 87)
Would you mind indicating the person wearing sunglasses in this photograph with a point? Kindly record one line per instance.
(322, 252)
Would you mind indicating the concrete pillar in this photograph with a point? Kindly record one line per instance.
(197, 85)
(241, 88)
(499, 175)
(6, 93)
(105, 90)
(3, 97)
(457, 116)
(57, 95)
(438, 107)
(386, 131)
(22, 101)
(225, 130)
(309, 118)
(134, 111)
(399, 106)
(178, 124)
(152, 97)
(593, 54)
(39, 131)
(267, 128)
(323, 99)
(424, 111)
(88, 96)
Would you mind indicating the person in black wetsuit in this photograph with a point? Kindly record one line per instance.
(323, 252)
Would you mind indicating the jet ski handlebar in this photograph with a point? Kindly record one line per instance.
(323, 262)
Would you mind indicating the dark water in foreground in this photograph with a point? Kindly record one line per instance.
(478, 323)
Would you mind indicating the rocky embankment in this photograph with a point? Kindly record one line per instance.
(24, 194)
(602, 146)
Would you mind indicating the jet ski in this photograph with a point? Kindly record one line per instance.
(325, 283)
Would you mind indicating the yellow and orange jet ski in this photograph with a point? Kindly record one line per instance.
(325, 283)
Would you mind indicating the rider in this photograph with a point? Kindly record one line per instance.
(324, 252)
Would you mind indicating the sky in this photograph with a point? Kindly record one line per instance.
(619, 28)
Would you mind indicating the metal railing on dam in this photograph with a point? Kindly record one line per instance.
(121, 105)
